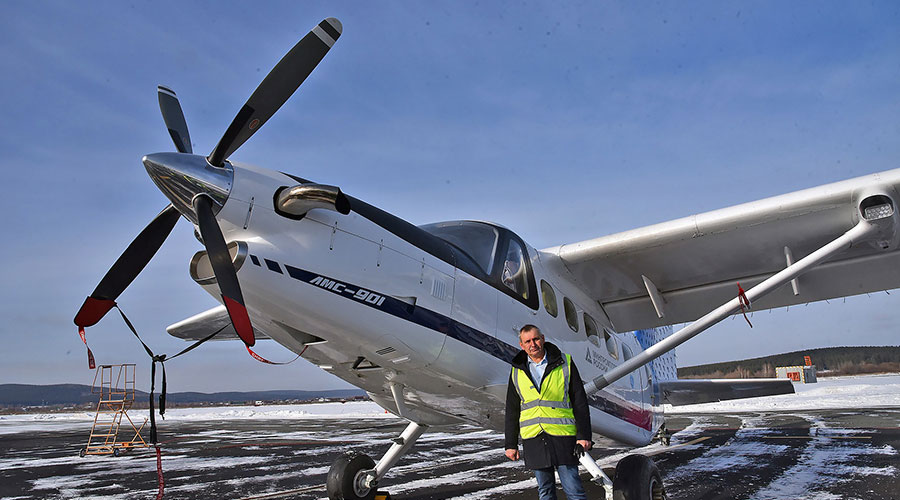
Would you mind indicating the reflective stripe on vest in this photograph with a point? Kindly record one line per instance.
(548, 410)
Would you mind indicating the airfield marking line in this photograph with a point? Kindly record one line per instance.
(280, 443)
(675, 447)
(816, 437)
(285, 493)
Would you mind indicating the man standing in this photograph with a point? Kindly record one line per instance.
(546, 406)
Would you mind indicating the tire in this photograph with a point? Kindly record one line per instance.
(115, 452)
(82, 452)
(343, 482)
(637, 478)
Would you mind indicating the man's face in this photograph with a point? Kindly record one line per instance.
(532, 342)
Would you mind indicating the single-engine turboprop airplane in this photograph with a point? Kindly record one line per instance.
(425, 318)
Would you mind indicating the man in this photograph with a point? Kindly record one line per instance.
(546, 406)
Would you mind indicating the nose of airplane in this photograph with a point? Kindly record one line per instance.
(181, 177)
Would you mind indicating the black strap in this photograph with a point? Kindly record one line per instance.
(161, 359)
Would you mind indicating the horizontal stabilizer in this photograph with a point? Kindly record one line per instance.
(695, 391)
(201, 325)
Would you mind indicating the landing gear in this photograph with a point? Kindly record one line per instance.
(354, 476)
(665, 438)
(597, 475)
(637, 478)
(347, 478)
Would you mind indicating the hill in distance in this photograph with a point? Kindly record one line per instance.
(24, 395)
(828, 361)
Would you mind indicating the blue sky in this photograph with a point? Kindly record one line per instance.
(541, 117)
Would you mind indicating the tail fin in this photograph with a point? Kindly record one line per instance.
(663, 367)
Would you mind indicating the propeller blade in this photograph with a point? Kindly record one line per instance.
(127, 267)
(174, 118)
(277, 87)
(223, 268)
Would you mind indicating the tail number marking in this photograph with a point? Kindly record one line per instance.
(360, 294)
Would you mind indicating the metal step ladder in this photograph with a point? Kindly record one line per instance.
(116, 396)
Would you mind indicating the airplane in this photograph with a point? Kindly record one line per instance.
(425, 319)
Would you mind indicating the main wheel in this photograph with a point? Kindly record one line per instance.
(637, 478)
(346, 478)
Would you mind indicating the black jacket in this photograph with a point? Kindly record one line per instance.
(545, 450)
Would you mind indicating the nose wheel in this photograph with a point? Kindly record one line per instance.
(637, 478)
(349, 478)
(354, 476)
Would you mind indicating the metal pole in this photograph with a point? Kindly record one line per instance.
(843, 242)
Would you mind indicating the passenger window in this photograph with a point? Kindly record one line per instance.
(514, 270)
(610, 342)
(571, 315)
(626, 353)
(549, 297)
(590, 329)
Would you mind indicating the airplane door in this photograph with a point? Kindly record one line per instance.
(475, 303)
(647, 385)
(465, 353)
(635, 383)
(511, 316)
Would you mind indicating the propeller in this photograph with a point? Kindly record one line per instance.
(127, 267)
(188, 181)
(276, 88)
(174, 118)
(223, 268)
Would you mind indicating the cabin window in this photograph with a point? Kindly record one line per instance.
(626, 353)
(549, 297)
(475, 239)
(590, 329)
(610, 342)
(514, 274)
(571, 314)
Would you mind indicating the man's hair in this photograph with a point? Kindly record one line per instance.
(529, 328)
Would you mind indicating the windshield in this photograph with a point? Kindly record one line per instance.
(476, 239)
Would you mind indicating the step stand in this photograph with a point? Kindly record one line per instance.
(116, 397)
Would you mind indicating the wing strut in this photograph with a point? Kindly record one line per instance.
(860, 232)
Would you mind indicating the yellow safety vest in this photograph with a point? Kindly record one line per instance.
(549, 410)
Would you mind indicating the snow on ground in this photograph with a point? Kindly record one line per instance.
(865, 391)
(851, 392)
(358, 409)
(10, 424)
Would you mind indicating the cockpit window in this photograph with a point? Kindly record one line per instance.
(514, 273)
(477, 240)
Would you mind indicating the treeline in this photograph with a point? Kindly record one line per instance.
(828, 361)
(77, 394)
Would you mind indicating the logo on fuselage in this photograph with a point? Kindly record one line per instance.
(598, 360)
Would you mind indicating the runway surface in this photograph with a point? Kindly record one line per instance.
(828, 454)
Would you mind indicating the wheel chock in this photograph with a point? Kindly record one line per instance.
(382, 495)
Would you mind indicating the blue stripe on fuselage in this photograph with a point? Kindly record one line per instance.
(448, 326)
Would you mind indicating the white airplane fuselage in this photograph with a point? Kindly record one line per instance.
(391, 312)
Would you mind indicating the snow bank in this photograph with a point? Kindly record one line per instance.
(853, 392)
(10, 424)
(865, 391)
(355, 409)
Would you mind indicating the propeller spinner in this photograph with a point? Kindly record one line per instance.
(198, 186)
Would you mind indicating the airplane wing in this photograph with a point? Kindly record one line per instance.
(200, 325)
(695, 391)
(693, 264)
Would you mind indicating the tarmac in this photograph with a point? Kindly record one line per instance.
(825, 454)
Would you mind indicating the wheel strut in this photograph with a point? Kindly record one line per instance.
(399, 448)
(597, 474)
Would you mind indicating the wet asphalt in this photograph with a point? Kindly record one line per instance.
(823, 455)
